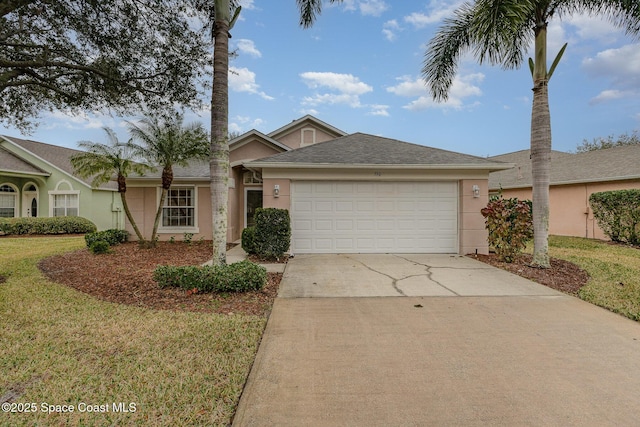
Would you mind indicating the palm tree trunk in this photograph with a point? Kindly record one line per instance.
(132, 221)
(156, 222)
(540, 151)
(219, 161)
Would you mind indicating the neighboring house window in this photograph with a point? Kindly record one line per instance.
(8, 198)
(179, 207)
(65, 205)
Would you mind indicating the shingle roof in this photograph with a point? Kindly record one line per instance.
(613, 164)
(9, 162)
(55, 155)
(364, 149)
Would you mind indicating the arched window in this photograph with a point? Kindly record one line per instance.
(8, 201)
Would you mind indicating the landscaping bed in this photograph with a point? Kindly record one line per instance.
(125, 276)
(563, 276)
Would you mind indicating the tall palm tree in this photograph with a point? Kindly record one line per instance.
(166, 143)
(499, 32)
(104, 161)
(222, 16)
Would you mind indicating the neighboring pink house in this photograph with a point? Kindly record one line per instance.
(354, 193)
(574, 177)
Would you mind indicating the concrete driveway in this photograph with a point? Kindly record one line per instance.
(419, 340)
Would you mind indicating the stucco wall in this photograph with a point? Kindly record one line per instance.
(312, 135)
(569, 211)
(473, 233)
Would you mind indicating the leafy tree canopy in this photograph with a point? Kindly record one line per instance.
(602, 143)
(127, 56)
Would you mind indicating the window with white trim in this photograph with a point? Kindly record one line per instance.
(8, 201)
(179, 207)
(65, 204)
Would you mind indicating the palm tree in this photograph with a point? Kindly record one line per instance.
(222, 16)
(103, 161)
(167, 143)
(499, 32)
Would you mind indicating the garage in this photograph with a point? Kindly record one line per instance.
(374, 217)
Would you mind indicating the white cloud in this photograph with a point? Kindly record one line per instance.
(345, 83)
(592, 27)
(379, 110)
(463, 87)
(241, 124)
(621, 67)
(373, 7)
(244, 80)
(390, 28)
(607, 95)
(81, 120)
(336, 89)
(436, 12)
(247, 46)
(366, 7)
(247, 4)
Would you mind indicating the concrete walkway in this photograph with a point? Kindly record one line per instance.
(515, 356)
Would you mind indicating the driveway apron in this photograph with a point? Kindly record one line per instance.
(414, 340)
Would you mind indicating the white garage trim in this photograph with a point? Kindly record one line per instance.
(374, 217)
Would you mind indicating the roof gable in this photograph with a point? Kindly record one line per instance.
(12, 163)
(307, 120)
(55, 156)
(360, 149)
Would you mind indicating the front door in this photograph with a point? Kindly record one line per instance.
(252, 201)
(30, 204)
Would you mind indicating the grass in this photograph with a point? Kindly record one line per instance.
(61, 347)
(614, 271)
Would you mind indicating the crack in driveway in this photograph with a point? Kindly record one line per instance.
(394, 281)
(429, 273)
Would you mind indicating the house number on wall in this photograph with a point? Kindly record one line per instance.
(377, 173)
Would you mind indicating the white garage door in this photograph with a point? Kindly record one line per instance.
(374, 217)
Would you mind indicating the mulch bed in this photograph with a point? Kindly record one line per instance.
(563, 276)
(125, 276)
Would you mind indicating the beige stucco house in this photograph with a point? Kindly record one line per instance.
(345, 193)
(574, 177)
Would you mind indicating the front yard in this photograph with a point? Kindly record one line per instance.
(117, 364)
(61, 349)
(614, 269)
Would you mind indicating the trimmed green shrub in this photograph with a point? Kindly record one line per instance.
(241, 276)
(618, 214)
(47, 225)
(273, 232)
(100, 247)
(510, 226)
(112, 237)
(249, 240)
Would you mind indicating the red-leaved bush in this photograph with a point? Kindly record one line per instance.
(510, 226)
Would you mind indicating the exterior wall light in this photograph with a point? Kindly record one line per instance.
(476, 191)
(276, 190)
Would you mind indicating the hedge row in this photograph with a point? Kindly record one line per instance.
(237, 277)
(618, 214)
(49, 225)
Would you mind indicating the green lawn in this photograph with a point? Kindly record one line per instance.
(614, 271)
(61, 347)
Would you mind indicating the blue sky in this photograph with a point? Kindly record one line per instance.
(358, 69)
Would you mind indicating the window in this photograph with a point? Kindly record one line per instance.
(179, 208)
(65, 205)
(8, 197)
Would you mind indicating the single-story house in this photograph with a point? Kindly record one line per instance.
(37, 180)
(574, 177)
(345, 193)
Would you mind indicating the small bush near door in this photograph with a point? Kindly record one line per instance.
(272, 236)
(248, 240)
